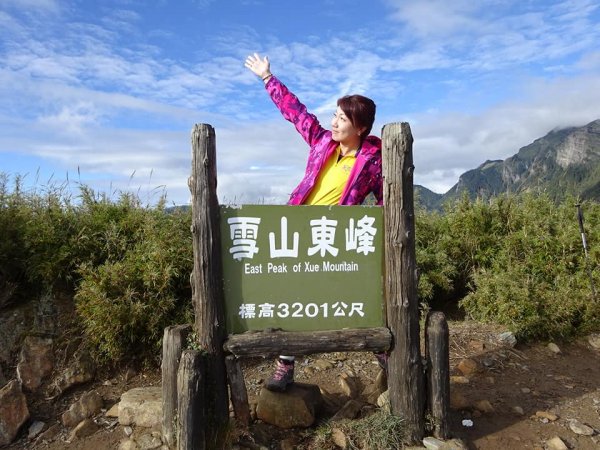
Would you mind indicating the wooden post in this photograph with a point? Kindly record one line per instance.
(192, 415)
(239, 395)
(437, 353)
(174, 341)
(405, 374)
(207, 289)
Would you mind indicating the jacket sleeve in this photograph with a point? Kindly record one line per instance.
(295, 112)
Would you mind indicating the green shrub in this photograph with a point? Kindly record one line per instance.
(141, 287)
(537, 282)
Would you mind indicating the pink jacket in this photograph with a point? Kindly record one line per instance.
(366, 173)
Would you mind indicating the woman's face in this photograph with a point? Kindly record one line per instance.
(342, 129)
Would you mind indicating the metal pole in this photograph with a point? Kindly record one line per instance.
(585, 248)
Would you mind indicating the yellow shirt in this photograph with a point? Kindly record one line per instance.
(332, 180)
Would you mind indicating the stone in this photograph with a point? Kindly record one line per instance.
(579, 428)
(80, 370)
(458, 401)
(36, 362)
(14, 412)
(507, 338)
(113, 411)
(459, 379)
(594, 341)
(468, 366)
(127, 430)
(546, 415)
(350, 385)
(323, 364)
(296, 407)
(556, 443)
(339, 438)
(432, 443)
(84, 429)
(127, 444)
(50, 433)
(148, 442)
(350, 410)
(35, 429)
(384, 401)
(525, 390)
(88, 405)
(484, 406)
(518, 410)
(141, 406)
(553, 348)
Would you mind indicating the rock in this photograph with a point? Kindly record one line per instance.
(432, 443)
(297, 407)
(148, 442)
(553, 348)
(50, 433)
(14, 412)
(525, 390)
(127, 430)
(468, 366)
(113, 411)
(594, 341)
(141, 406)
(35, 428)
(518, 410)
(546, 415)
(484, 406)
(458, 401)
(579, 428)
(323, 364)
(339, 438)
(36, 361)
(84, 429)
(350, 385)
(127, 444)
(80, 370)
(384, 401)
(459, 379)
(556, 443)
(350, 410)
(88, 405)
(507, 338)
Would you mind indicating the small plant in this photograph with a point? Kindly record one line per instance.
(377, 431)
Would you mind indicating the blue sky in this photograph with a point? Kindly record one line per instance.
(106, 92)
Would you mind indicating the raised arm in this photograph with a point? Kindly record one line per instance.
(288, 104)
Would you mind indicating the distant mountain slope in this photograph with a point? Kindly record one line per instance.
(563, 162)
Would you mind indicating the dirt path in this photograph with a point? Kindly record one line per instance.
(517, 382)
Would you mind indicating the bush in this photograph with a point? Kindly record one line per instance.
(143, 284)
(537, 282)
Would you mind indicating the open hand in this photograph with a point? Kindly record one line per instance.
(260, 67)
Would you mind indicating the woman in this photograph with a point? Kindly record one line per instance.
(343, 168)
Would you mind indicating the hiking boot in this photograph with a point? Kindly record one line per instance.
(382, 360)
(283, 376)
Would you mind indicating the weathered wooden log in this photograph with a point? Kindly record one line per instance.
(237, 386)
(308, 342)
(174, 341)
(191, 414)
(437, 353)
(405, 375)
(207, 289)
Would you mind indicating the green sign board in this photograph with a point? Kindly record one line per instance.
(302, 268)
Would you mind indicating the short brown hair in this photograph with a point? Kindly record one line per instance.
(360, 110)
